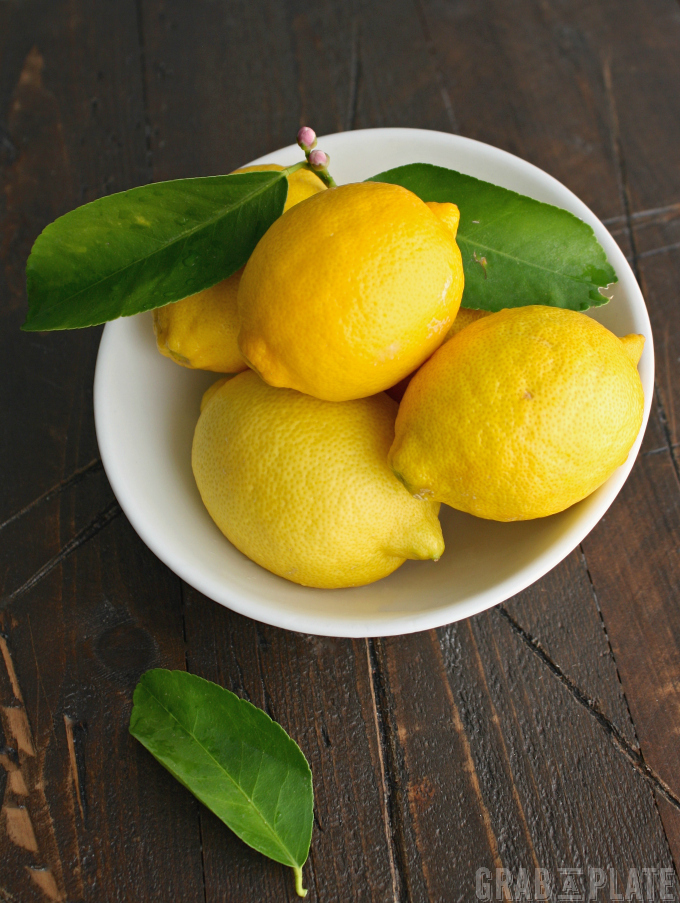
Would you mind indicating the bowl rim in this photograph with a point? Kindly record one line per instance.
(388, 623)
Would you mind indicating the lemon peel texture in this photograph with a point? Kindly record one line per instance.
(302, 486)
(521, 414)
(351, 291)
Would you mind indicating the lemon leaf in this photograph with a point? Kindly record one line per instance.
(147, 247)
(233, 758)
(516, 250)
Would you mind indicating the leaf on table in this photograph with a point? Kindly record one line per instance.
(516, 250)
(237, 761)
(147, 247)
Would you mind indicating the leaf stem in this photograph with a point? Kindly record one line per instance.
(299, 889)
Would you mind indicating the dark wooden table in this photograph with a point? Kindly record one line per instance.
(544, 733)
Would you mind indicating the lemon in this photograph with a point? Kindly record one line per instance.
(520, 415)
(201, 331)
(464, 317)
(351, 291)
(302, 486)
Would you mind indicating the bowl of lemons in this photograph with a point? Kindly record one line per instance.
(371, 458)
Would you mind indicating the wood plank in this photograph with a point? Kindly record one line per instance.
(48, 530)
(320, 690)
(101, 820)
(74, 131)
(640, 70)
(220, 84)
(528, 78)
(84, 805)
(561, 612)
(502, 769)
(647, 642)
(633, 558)
(244, 77)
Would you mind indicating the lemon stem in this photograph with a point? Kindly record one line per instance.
(289, 170)
(325, 177)
(323, 174)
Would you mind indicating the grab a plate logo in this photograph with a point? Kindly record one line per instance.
(575, 885)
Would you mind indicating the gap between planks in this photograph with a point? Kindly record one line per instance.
(93, 466)
(102, 520)
(634, 756)
(391, 772)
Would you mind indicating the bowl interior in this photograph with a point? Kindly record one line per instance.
(146, 409)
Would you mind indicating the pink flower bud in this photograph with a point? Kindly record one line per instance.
(318, 159)
(306, 137)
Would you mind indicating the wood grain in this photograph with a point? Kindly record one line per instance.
(73, 126)
(560, 611)
(319, 689)
(435, 754)
(331, 65)
(552, 107)
(520, 781)
(107, 820)
(96, 607)
(637, 585)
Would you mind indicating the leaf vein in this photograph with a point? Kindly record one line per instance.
(271, 832)
(523, 262)
(184, 236)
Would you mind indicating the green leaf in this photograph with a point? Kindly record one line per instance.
(147, 247)
(516, 250)
(233, 758)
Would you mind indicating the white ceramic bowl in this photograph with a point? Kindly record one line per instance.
(146, 408)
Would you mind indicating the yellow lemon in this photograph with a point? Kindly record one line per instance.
(302, 486)
(201, 331)
(351, 291)
(520, 415)
(464, 317)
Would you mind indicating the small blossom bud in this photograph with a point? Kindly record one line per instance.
(318, 159)
(306, 137)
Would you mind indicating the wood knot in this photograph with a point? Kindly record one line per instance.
(126, 651)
